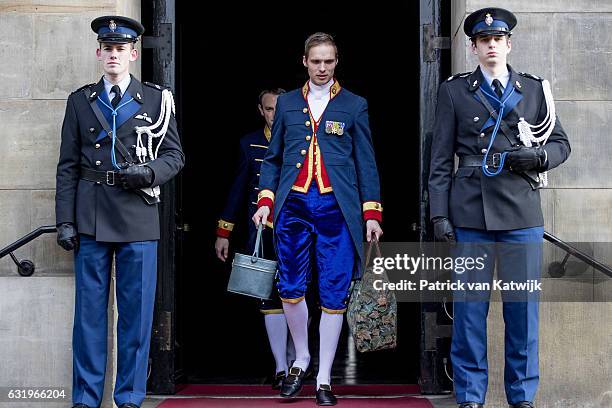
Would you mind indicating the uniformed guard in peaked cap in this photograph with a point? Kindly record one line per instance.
(119, 146)
(117, 29)
(489, 21)
(502, 126)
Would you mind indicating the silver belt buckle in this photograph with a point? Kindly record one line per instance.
(496, 160)
(110, 178)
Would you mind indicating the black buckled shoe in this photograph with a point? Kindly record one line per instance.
(128, 405)
(277, 380)
(471, 405)
(292, 384)
(325, 396)
(523, 404)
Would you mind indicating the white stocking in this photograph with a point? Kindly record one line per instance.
(329, 333)
(297, 320)
(276, 326)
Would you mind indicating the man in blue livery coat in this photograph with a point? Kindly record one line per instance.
(319, 179)
(242, 195)
(119, 144)
(502, 126)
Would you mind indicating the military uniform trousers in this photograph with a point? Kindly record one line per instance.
(136, 275)
(312, 236)
(518, 254)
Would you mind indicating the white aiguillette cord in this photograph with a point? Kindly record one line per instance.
(146, 152)
(167, 108)
(528, 133)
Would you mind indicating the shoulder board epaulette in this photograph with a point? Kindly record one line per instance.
(84, 86)
(526, 75)
(462, 75)
(152, 85)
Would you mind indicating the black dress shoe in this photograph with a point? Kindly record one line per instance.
(80, 406)
(277, 381)
(128, 405)
(523, 404)
(471, 405)
(325, 396)
(292, 384)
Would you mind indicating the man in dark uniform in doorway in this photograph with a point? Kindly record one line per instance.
(319, 180)
(119, 144)
(502, 126)
(243, 195)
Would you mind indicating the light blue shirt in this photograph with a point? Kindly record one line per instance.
(503, 78)
(123, 85)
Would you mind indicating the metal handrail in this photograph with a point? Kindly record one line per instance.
(572, 251)
(25, 267)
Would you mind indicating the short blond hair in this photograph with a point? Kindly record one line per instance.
(317, 39)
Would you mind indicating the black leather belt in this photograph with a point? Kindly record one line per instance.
(493, 160)
(110, 178)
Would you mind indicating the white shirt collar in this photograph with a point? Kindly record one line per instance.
(123, 85)
(320, 91)
(503, 78)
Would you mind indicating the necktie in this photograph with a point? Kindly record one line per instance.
(497, 87)
(117, 96)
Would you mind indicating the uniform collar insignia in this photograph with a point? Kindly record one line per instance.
(135, 88)
(97, 90)
(267, 133)
(475, 79)
(515, 79)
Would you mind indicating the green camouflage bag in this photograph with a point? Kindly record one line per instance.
(372, 314)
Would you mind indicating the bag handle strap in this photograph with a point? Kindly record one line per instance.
(258, 245)
(373, 243)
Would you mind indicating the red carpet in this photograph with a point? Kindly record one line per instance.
(228, 390)
(258, 396)
(404, 402)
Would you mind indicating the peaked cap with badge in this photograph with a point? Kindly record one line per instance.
(117, 29)
(489, 21)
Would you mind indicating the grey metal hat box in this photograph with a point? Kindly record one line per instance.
(252, 275)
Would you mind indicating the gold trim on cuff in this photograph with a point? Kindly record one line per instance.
(265, 194)
(271, 311)
(333, 311)
(372, 206)
(226, 225)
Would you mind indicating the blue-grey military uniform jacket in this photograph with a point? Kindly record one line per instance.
(245, 187)
(110, 213)
(348, 158)
(463, 127)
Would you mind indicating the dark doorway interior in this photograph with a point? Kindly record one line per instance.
(226, 54)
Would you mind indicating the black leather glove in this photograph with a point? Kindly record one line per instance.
(67, 236)
(523, 158)
(135, 177)
(444, 230)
